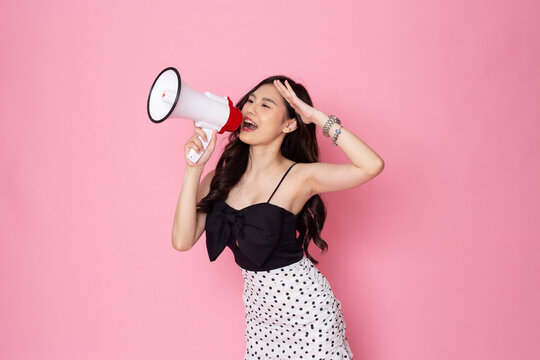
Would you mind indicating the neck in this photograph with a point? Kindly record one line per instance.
(264, 160)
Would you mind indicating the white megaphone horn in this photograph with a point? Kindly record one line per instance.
(171, 97)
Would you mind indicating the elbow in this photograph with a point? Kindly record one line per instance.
(381, 167)
(180, 245)
(377, 168)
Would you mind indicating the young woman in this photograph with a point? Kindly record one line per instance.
(291, 311)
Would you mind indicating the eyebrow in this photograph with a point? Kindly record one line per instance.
(267, 99)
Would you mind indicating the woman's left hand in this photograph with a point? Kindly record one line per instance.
(306, 112)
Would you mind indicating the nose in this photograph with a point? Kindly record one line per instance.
(249, 108)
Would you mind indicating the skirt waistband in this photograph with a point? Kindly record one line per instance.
(302, 262)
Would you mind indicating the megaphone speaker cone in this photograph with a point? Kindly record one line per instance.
(164, 94)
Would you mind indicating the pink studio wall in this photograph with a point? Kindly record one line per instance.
(436, 258)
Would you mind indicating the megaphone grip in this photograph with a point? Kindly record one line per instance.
(194, 156)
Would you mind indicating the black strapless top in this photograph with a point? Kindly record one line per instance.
(266, 234)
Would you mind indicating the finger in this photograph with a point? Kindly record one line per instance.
(212, 139)
(290, 88)
(200, 144)
(278, 88)
(190, 147)
(195, 146)
(296, 102)
(283, 91)
(198, 140)
(203, 134)
(200, 131)
(211, 145)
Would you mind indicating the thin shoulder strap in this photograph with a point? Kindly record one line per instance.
(281, 181)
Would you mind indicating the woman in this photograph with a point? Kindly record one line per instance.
(291, 311)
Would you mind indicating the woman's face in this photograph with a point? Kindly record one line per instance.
(266, 108)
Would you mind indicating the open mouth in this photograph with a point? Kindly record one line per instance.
(249, 125)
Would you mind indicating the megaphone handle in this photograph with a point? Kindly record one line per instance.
(193, 156)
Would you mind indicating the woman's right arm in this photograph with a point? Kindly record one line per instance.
(188, 226)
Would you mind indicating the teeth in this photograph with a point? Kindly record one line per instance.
(250, 122)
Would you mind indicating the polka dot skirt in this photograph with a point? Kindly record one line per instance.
(292, 313)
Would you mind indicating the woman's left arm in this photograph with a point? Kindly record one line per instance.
(365, 163)
(327, 177)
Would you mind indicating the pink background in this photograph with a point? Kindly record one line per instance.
(436, 258)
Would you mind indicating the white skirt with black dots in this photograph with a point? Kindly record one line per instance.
(292, 313)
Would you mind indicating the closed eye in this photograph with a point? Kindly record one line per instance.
(250, 101)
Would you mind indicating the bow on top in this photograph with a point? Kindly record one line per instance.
(257, 228)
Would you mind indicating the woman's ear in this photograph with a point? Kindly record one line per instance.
(290, 125)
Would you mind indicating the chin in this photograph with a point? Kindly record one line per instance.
(242, 137)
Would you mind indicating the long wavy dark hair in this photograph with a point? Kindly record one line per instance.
(299, 145)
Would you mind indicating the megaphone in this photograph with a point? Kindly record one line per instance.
(171, 97)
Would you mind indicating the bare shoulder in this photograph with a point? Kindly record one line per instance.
(322, 177)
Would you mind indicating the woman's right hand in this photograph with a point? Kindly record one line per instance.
(196, 144)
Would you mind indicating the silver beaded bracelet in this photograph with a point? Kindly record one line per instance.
(331, 119)
(336, 135)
